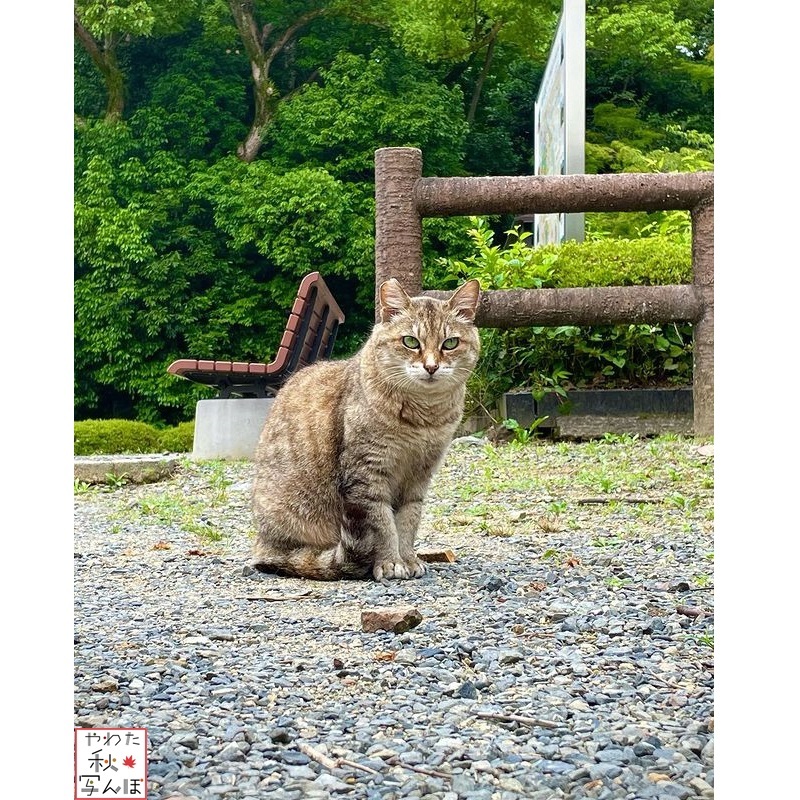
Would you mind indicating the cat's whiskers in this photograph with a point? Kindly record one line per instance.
(398, 379)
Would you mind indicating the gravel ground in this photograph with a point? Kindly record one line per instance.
(567, 653)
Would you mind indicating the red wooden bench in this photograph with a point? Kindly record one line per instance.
(310, 335)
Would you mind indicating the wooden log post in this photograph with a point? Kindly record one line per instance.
(398, 224)
(703, 352)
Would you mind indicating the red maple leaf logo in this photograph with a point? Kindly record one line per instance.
(128, 761)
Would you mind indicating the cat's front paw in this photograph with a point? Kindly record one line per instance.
(415, 567)
(392, 569)
(398, 569)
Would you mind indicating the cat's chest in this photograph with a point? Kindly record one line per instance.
(410, 450)
(408, 455)
(395, 447)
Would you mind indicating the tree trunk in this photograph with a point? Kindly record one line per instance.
(115, 85)
(265, 92)
(266, 98)
(487, 61)
(105, 59)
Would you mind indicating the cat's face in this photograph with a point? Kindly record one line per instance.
(427, 345)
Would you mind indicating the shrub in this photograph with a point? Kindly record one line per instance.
(179, 439)
(556, 359)
(650, 259)
(111, 436)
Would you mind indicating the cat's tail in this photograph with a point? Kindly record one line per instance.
(322, 564)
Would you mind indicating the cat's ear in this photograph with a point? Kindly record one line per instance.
(464, 300)
(393, 299)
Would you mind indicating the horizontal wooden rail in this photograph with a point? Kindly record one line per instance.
(598, 305)
(540, 194)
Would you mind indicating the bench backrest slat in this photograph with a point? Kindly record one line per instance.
(310, 351)
(306, 313)
(330, 339)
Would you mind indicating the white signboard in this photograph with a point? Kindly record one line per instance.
(559, 119)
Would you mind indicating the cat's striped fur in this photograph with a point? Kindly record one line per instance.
(349, 448)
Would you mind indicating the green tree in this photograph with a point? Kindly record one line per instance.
(655, 55)
(197, 210)
(361, 102)
(152, 278)
(467, 33)
(102, 27)
(268, 31)
(263, 43)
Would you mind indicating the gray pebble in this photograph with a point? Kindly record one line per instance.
(294, 757)
(467, 690)
(604, 770)
(302, 771)
(707, 753)
(280, 735)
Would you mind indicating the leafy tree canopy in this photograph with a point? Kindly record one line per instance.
(432, 30)
(224, 149)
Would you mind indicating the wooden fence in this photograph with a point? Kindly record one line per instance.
(403, 198)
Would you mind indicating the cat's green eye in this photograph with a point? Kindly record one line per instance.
(451, 343)
(411, 342)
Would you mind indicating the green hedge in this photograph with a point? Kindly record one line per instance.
(649, 260)
(556, 359)
(178, 439)
(619, 262)
(113, 436)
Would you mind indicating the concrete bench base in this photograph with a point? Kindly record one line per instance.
(229, 429)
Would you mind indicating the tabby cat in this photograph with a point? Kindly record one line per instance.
(349, 448)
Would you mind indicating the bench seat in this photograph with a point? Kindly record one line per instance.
(310, 335)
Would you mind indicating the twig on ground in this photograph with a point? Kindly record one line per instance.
(332, 763)
(584, 501)
(311, 752)
(275, 598)
(395, 762)
(541, 723)
(345, 762)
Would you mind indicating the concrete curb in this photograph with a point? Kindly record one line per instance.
(146, 468)
(594, 412)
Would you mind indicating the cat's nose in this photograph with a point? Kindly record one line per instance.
(432, 367)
